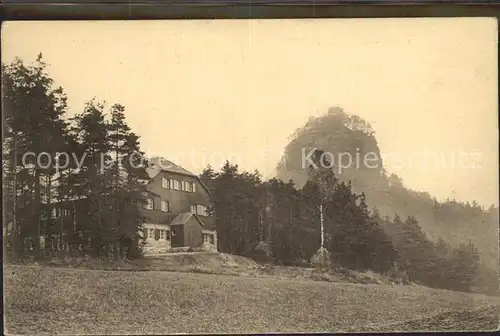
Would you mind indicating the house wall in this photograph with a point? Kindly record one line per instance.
(57, 220)
(207, 246)
(193, 233)
(67, 216)
(178, 236)
(180, 201)
(192, 237)
(154, 246)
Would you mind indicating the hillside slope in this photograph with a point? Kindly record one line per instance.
(69, 301)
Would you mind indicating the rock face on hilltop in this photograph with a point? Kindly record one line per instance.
(346, 141)
(344, 136)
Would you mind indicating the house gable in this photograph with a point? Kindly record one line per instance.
(185, 218)
(180, 200)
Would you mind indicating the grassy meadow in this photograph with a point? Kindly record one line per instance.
(78, 301)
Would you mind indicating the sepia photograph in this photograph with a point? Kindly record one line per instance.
(250, 176)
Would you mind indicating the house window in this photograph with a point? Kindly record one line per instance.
(165, 206)
(165, 183)
(201, 210)
(198, 209)
(187, 186)
(149, 204)
(162, 234)
(151, 233)
(208, 238)
(176, 185)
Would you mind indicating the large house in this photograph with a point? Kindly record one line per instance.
(176, 211)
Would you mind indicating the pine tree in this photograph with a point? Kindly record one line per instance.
(464, 264)
(95, 184)
(208, 176)
(131, 195)
(222, 198)
(33, 112)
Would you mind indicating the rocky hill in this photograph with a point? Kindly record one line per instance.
(343, 136)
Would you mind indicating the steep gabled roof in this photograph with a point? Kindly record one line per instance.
(159, 164)
(183, 218)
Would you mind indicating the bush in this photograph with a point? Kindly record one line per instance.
(262, 252)
(321, 258)
(398, 276)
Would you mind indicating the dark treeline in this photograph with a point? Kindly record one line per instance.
(81, 202)
(275, 221)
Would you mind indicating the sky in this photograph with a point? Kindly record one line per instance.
(201, 92)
